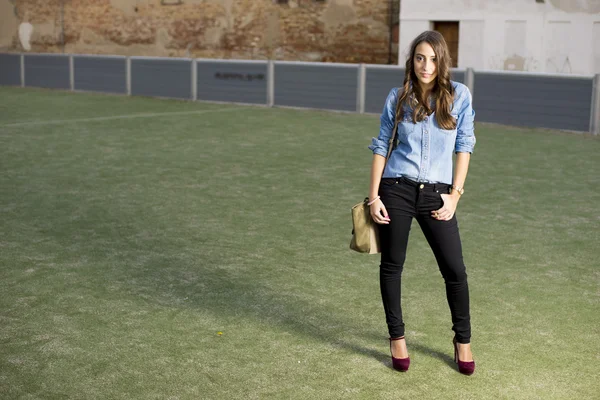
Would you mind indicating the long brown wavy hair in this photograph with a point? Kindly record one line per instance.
(442, 92)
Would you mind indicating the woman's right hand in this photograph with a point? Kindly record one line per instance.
(379, 213)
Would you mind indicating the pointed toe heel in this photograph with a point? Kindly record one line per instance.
(399, 364)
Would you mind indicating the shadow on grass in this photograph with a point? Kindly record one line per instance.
(223, 292)
(173, 272)
(435, 354)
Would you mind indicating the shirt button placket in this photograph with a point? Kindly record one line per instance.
(426, 145)
(425, 150)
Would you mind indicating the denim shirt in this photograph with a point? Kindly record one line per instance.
(424, 150)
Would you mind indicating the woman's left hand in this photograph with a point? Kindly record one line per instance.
(447, 211)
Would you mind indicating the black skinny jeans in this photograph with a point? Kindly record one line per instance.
(404, 200)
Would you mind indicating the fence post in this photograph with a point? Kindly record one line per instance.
(128, 75)
(595, 112)
(470, 80)
(194, 79)
(271, 83)
(360, 94)
(71, 72)
(22, 70)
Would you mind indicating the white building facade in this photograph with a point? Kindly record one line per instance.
(553, 36)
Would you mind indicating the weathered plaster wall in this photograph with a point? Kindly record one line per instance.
(556, 36)
(308, 30)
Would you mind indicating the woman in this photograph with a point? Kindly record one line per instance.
(435, 119)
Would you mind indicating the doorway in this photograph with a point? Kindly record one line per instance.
(449, 30)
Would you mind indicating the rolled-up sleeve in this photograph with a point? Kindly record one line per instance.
(465, 128)
(380, 144)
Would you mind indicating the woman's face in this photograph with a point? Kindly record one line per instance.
(425, 64)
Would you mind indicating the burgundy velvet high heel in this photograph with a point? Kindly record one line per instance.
(399, 364)
(464, 367)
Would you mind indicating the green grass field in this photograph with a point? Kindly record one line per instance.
(157, 249)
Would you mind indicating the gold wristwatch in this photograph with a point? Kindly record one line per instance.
(458, 189)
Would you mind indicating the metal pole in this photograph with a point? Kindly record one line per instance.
(194, 79)
(22, 70)
(360, 93)
(128, 74)
(595, 112)
(271, 83)
(470, 80)
(72, 72)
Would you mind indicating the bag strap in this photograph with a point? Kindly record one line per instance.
(390, 146)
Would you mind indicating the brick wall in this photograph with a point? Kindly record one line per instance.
(305, 30)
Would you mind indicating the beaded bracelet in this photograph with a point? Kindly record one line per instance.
(373, 201)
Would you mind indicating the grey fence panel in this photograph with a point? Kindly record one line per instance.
(378, 83)
(161, 77)
(458, 75)
(327, 86)
(47, 71)
(533, 100)
(100, 74)
(10, 69)
(232, 81)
